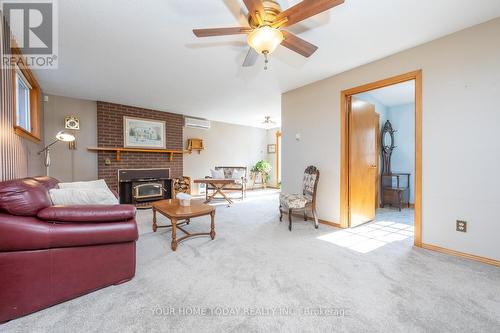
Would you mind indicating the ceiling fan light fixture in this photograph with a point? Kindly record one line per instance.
(265, 39)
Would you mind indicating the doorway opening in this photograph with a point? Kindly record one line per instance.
(381, 158)
(278, 158)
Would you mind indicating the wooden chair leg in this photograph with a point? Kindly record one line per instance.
(316, 222)
(290, 219)
(281, 214)
(305, 215)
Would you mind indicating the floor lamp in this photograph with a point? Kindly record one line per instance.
(61, 136)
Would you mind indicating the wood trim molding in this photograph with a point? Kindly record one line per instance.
(309, 218)
(461, 254)
(119, 150)
(344, 145)
(35, 99)
(25, 134)
(278, 136)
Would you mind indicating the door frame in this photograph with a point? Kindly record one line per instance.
(278, 151)
(344, 146)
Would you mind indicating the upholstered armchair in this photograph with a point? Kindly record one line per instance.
(302, 202)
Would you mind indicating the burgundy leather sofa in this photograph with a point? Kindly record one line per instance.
(50, 254)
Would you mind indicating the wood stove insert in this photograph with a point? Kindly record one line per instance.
(141, 187)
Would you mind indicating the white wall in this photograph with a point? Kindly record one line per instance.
(225, 145)
(461, 137)
(72, 165)
(271, 158)
(402, 118)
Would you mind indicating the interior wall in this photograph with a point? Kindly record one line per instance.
(110, 127)
(461, 94)
(72, 165)
(271, 157)
(18, 156)
(225, 145)
(402, 118)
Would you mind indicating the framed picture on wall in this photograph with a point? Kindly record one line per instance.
(271, 149)
(143, 133)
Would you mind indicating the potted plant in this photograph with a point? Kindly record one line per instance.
(262, 168)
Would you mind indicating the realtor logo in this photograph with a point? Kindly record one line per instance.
(33, 25)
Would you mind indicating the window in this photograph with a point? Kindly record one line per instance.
(26, 102)
(23, 110)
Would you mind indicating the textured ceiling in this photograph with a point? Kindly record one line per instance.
(143, 53)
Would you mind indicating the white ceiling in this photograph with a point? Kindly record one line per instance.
(143, 53)
(398, 94)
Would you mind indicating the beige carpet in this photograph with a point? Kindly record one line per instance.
(256, 276)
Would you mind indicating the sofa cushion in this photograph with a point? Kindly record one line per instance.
(98, 213)
(217, 174)
(84, 234)
(83, 196)
(229, 171)
(100, 183)
(238, 174)
(293, 201)
(47, 182)
(24, 197)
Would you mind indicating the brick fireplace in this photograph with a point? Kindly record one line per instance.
(110, 134)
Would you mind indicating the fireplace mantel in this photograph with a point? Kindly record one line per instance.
(119, 150)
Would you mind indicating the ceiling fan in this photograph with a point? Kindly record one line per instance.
(268, 122)
(266, 20)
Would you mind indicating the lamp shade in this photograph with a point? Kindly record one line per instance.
(265, 39)
(65, 136)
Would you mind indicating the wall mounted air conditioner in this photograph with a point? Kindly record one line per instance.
(196, 123)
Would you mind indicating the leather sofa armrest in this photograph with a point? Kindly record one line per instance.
(87, 213)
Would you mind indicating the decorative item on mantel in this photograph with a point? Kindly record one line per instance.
(195, 144)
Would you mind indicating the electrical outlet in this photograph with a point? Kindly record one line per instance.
(461, 226)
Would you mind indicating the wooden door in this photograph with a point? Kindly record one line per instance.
(378, 188)
(363, 162)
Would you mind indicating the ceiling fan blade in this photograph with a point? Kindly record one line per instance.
(251, 58)
(255, 6)
(306, 9)
(220, 31)
(298, 45)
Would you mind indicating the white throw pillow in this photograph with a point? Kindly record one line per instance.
(82, 196)
(217, 174)
(238, 174)
(101, 184)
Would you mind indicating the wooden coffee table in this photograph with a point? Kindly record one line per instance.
(218, 185)
(175, 212)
